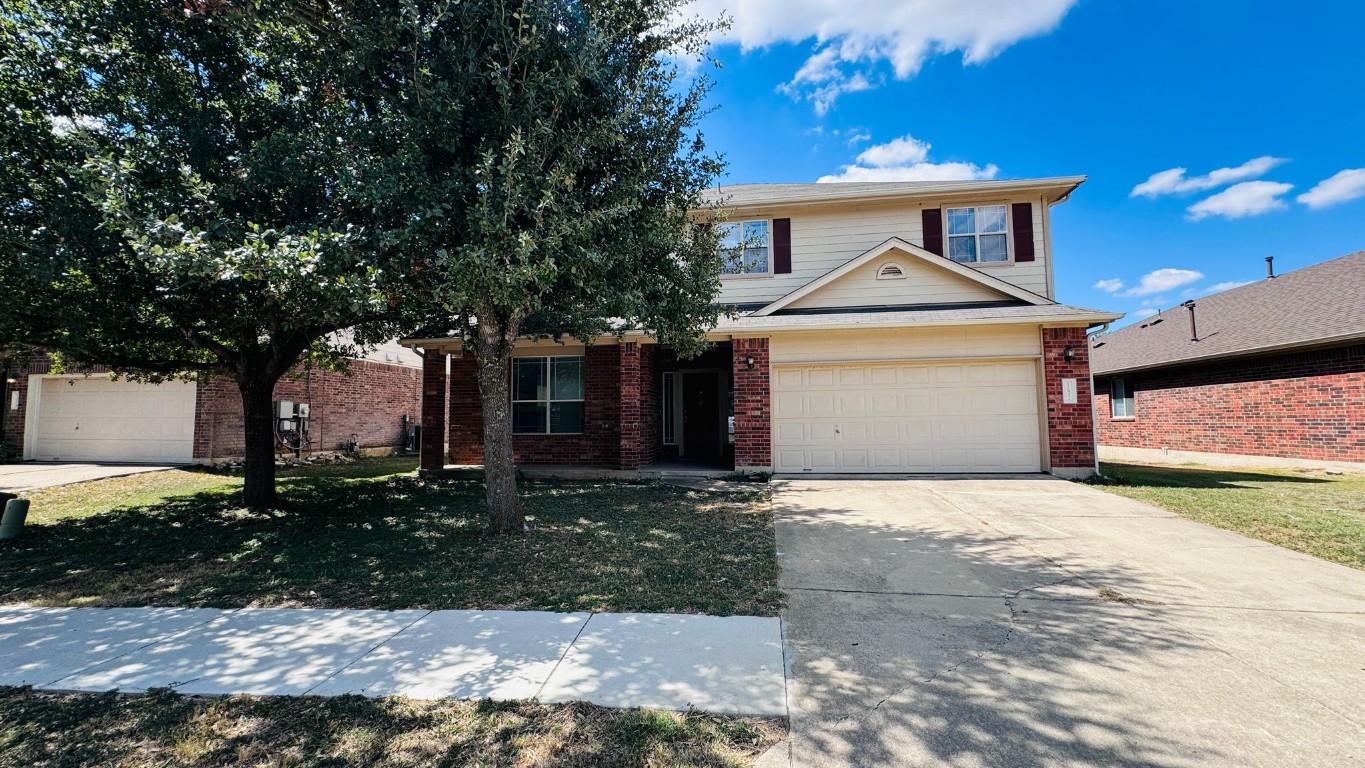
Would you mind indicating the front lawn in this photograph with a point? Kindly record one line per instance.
(164, 729)
(361, 536)
(1311, 512)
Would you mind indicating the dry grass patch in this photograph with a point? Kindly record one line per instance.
(165, 729)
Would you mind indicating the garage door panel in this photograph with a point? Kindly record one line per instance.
(98, 419)
(931, 417)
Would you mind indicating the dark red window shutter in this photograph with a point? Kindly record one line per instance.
(933, 230)
(782, 246)
(1022, 214)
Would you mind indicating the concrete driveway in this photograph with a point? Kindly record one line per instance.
(30, 475)
(1032, 621)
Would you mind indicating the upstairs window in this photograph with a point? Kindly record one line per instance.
(547, 395)
(744, 245)
(977, 235)
(1121, 399)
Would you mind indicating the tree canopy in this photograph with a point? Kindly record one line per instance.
(171, 200)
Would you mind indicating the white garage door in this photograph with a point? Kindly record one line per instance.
(907, 417)
(95, 419)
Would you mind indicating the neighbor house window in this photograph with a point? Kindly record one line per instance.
(977, 234)
(547, 395)
(744, 245)
(1121, 399)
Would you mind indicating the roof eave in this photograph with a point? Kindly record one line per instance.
(1269, 349)
(1062, 186)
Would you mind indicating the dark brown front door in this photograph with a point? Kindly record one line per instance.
(701, 416)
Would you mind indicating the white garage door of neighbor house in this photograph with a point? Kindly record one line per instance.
(907, 417)
(96, 419)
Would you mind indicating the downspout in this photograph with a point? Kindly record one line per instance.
(1094, 415)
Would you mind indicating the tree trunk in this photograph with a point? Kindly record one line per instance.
(493, 354)
(258, 410)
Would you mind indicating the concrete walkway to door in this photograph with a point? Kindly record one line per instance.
(1031, 621)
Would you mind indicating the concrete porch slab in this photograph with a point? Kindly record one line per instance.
(729, 665)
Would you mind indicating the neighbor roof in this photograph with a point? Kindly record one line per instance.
(1315, 306)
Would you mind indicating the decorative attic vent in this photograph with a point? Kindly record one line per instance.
(890, 272)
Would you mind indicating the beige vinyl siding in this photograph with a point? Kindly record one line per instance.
(825, 237)
(870, 345)
(922, 284)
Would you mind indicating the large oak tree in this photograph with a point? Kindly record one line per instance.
(541, 158)
(171, 195)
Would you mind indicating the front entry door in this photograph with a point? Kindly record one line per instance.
(701, 416)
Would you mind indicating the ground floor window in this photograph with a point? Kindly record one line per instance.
(1121, 399)
(547, 395)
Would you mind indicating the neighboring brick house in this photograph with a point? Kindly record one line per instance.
(95, 418)
(882, 328)
(1272, 373)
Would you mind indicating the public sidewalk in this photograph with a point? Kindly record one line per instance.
(730, 665)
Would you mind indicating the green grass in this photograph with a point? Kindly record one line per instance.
(1310, 512)
(373, 535)
(165, 729)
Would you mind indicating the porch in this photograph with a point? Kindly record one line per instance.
(623, 409)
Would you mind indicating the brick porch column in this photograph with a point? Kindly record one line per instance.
(630, 451)
(753, 406)
(435, 406)
(466, 411)
(1070, 426)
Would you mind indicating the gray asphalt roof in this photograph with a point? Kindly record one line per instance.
(756, 194)
(1316, 305)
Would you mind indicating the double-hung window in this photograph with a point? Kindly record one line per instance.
(547, 395)
(1121, 399)
(977, 235)
(744, 244)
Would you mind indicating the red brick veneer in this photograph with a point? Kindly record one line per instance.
(1070, 428)
(753, 405)
(1309, 405)
(435, 410)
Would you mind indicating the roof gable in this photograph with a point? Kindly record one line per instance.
(927, 279)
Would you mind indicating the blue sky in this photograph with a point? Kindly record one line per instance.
(1249, 97)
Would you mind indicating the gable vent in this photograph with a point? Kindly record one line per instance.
(890, 272)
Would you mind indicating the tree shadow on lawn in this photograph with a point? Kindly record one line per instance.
(167, 729)
(1142, 475)
(404, 542)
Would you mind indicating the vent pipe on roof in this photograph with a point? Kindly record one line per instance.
(1270, 267)
(1194, 333)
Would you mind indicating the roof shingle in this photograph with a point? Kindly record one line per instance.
(1313, 306)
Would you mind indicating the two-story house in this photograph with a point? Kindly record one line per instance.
(883, 328)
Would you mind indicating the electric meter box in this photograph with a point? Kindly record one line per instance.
(284, 409)
(301, 410)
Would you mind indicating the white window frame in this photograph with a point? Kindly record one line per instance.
(1124, 407)
(667, 398)
(976, 236)
(768, 222)
(549, 400)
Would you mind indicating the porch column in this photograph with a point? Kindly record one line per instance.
(753, 406)
(435, 407)
(630, 451)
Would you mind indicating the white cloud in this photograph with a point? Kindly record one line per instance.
(1174, 181)
(858, 137)
(856, 40)
(1157, 301)
(1344, 186)
(1165, 279)
(1228, 285)
(1143, 314)
(1112, 285)
(906, 159)
(1250, 198)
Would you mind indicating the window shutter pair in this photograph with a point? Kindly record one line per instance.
(782, 245)
(1021, 215)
